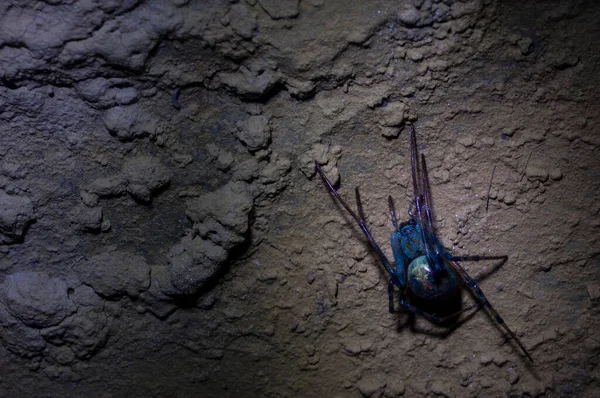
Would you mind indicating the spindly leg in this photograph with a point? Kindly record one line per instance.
(393, 212)
(360, 219)
(391, 295)
(477, 258)
(471, 284)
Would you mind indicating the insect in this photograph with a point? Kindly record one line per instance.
(424, 270)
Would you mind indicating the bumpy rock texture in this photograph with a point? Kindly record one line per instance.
(162, 232)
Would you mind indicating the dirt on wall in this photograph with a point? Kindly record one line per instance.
(163, 232)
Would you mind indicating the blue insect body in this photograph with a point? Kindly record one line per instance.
(410, 258)
(423, 268)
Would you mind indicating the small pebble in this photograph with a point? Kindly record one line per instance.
(500, 360)
(310, 277)
(556, 174)
(105, 226)
(486, 382)
(593, 292)
(409, 15)
(536, 173)
(513, 376)
(510, 198)
(486, 359)
(370, 385)
(439, 388)
(395, 388)
(466, 141)
(525, 45)
(414, 55)
(127, 96)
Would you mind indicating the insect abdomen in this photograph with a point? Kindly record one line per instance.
(425, 287)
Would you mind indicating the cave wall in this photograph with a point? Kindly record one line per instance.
(163, 232)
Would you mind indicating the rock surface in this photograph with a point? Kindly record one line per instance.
(163, 232)
(16, 213)
(116, 273)
(36, 299)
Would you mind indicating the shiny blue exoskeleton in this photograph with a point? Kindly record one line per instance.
(423, 269)
(410, 258)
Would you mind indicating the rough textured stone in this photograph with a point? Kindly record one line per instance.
(127, 96)
(108, 186)
(222, 215)
(243, 21)
(18, 338)
(145, 175)
(227, 287)
(537, 172)
(393, 114)
(98, 92)
(84, 333)
(371, 386)
(327, 156)
(36, 299)
(88, 218)
(16, 213)
(251, 84)
(135, 45)
(280, 8)
(116, 273)
(254, 132)
(127, 123)
(409, 15)
(221, 220)
(193, 263)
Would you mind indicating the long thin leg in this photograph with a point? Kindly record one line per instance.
(391, 295)
(359, 207)
(411, 207)
(503, 259)
(361, 222)
(418, 189)
(392, 212)
(432, 248)
(425, 190)
(414, 160)
(477, 258)
(471, 284)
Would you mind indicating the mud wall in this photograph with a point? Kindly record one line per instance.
(162, 232)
